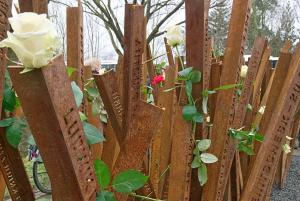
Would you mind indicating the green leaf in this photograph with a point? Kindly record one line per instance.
(105, 196)
(77, 93)
(203, 145)
(204, 105)
(195, 76)
(129, 181)
(9, 99)
(188, 112)
(246, 148)
(208, 158)
(14, 133)
(198, 118)
(196, 162)
(202, 174)
(102, 174)
(226, 87)
(92, 134)
(70, 71)
(83, 117)
(259, 137)
(93, 92)
(185, 72)
(188, 88)
(7, 122)
(249, 107)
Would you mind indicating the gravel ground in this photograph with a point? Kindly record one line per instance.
(291, 192)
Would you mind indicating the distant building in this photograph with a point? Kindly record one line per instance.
(109, 64)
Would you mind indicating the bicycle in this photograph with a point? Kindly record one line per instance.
(40, 176)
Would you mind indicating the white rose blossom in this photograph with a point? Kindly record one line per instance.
(175, 36)
(34, 40)
(262, 110)
(244, 71)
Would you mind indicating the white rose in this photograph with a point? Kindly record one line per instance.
(244, 71)
(262, 110)
(34, 40)
(175, 36)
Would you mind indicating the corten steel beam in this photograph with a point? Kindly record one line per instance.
(11, 164)
(134, 40)
(282, 117)
(13, 171)
(161, 145)
(241, 107)
(4, 24)
(198, 56)
(111, 98)
(278, 82)
(40, 6)
(279, 79)
(222, 145)
(75, 43)
(181, 159)
(50, 109)
(26, 6)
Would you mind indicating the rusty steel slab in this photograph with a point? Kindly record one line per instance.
(134, 40)
(138, 138)
(111, 147)
(50, 109)
(269, 153)
(181, 159)
(222, 145)
(110, 95)
(4, 12)
(253, 68)
(40, 6)
(25, 6)
(75, 43)
(216, 70)
(161, 145)
(13, 171)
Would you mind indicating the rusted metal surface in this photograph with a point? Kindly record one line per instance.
(4, 12)
(133, 56)
(40, 6)
(13, 171)
(223, 146)
(253, 68)
(112, 101)
(161, 145)
(2, 187)
(269, 153)
(111, 147)
(11, 164)
(75, 43)
(216, 70)
(50, 109)
(26, 6)
(181, 159)
(138, 138)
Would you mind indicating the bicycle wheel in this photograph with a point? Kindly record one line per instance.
(40, 177)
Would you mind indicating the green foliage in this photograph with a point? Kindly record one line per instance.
(129, 181)
(14, 128)
(77, 93)
(201, 158)
(70, 71)
(125, 182)
(245, 139)
(102, 174)
(92, 134)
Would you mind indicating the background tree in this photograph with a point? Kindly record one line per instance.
(218, 26)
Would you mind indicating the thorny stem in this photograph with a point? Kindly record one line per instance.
(155, 58)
